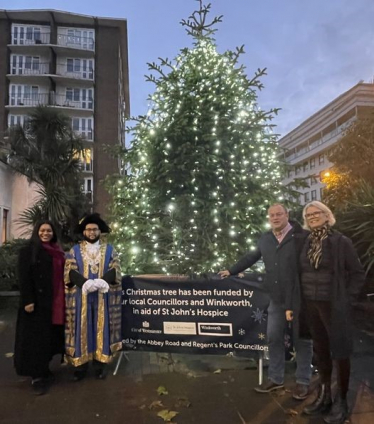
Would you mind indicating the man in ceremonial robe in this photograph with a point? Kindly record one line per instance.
(93, 300)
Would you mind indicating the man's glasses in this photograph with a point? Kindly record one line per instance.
(92, 230)
(313, 215)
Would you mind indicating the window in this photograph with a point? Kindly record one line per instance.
(313, 180)
(83, 127)
(305, 166)
(297, 169)
(312, 163)
(314, 194)
(4, 226)
(82, 68)
(24, 95)
(306, 197)
(321, 159)
(17, 120)
(70, 65)
(289, 173)
(87, 160)
(88, 188)
(79, 97)
(77, 38)
(28, 34)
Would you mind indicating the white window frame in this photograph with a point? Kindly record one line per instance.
(83, 127)
(79, 97)
(29, 34)
(80, 68)
(24, 64)
(23, 95)
(78, 38)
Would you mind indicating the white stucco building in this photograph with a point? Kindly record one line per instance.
(305, 147)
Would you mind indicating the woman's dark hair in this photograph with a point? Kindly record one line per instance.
(35, 241)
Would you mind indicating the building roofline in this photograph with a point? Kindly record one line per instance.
(331, 106)
(63, 12)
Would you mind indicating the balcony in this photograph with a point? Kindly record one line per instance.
(25, 38)
(75, 72)
(89, 195)
(318, 145)
(31, 69)
(50, 99)
(85, 133)
(76, 42)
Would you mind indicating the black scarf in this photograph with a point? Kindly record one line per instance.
(315, 248)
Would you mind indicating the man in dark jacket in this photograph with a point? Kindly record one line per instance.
(277, 249)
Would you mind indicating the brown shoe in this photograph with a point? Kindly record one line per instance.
(268, 387)
(301, 392)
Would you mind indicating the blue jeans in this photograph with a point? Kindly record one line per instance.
(275, 335)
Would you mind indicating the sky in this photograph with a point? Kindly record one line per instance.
(313, 50)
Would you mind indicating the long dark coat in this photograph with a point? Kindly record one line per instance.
(37, 340)
(348, 279)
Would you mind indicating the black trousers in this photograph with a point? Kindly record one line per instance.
(319, 321)
(98, 366)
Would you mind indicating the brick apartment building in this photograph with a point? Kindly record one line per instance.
(76, 63)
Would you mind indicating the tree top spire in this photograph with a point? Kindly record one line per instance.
(197, 25)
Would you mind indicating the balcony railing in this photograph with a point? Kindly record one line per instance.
(22, 38)
(85, 133)
(50, 99)
(89, 195)
(76, 42)
(34, 69)
(327, 137)
(78, 72)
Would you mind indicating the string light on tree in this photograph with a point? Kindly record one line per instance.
(203, 162)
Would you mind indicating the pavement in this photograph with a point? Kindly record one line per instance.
(201, 389)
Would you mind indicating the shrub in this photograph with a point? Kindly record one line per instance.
(8, 264)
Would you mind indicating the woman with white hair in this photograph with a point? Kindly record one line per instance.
(331, 277)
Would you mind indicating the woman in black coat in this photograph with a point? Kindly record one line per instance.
(41, 316)
(331, 278)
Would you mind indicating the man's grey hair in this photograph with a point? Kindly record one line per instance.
(281, 205)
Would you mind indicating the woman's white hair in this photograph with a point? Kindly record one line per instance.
(322, 207)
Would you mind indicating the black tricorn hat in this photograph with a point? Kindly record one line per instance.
(93, 218)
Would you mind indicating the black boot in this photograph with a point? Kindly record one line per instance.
(338, 412)
(322, 403)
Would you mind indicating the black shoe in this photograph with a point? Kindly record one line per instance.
(338, 412)
(301, 391)
(79, 375)
(39, 386)
(50, 378)
(322, 403)
(100, 374)
(268, 387)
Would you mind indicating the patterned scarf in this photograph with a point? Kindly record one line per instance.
(315, 248)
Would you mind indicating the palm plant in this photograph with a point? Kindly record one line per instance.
(47, 152)
(357, 222)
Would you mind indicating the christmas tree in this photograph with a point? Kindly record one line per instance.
(203, 163)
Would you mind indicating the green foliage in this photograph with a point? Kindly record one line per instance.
(357, 222)
(339, 189)
(353, 155)
(8, 264)
(350, 186)
(47, 152)
(203, 164)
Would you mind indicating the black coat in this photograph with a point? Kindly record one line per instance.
(280, 259)
(37, 340)
(348, 279)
